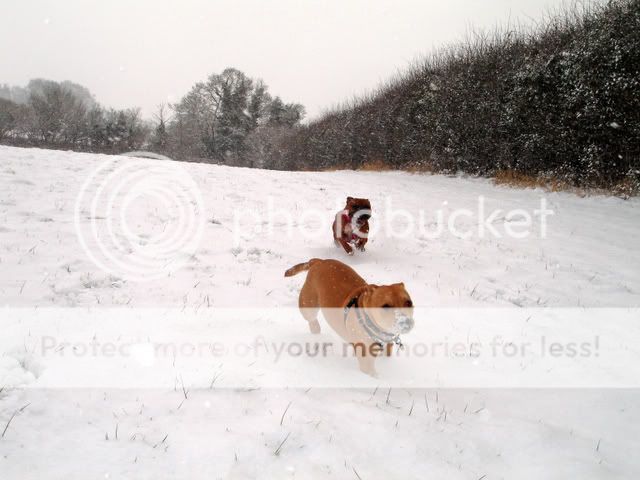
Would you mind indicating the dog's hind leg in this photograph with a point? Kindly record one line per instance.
(308, 303)
(311, 316)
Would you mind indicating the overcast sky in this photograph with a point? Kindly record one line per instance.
(144, 52)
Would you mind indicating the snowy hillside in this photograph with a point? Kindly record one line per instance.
(83, 274)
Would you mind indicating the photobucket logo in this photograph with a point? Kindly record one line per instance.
(399, 223)
(139, 219)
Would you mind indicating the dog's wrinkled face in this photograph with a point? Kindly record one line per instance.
(390, 307)
(359, 208)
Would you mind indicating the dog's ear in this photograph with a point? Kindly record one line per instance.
(363, 293)
(349, 200)
(367, 290)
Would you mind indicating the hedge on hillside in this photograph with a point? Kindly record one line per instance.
(562, 101)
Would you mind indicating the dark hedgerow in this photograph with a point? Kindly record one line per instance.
(562, 102)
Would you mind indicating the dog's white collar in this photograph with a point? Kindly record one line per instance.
(371, 328)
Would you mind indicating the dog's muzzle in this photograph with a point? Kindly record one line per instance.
(403, 322)
(361, 215)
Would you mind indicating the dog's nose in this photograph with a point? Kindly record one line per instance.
(404, 322)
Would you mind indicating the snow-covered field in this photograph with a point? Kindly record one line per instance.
(72, 409)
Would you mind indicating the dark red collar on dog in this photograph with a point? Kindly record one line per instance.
(352, 303)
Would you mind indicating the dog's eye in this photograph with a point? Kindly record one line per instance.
(408, 303)
(386, 305)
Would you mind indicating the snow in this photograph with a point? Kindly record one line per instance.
(454, 414)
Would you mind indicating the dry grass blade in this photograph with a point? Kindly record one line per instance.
(284, 413)
(20, 410)
(277, 452)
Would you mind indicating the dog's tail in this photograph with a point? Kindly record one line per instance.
(301, 267)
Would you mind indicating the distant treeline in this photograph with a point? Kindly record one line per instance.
(65, 115)
(562, 102)
(230, 118)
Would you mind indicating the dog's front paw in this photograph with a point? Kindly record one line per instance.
(372, 373)
(368, 369)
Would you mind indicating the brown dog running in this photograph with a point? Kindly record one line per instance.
(369, 317)
(351, 225)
